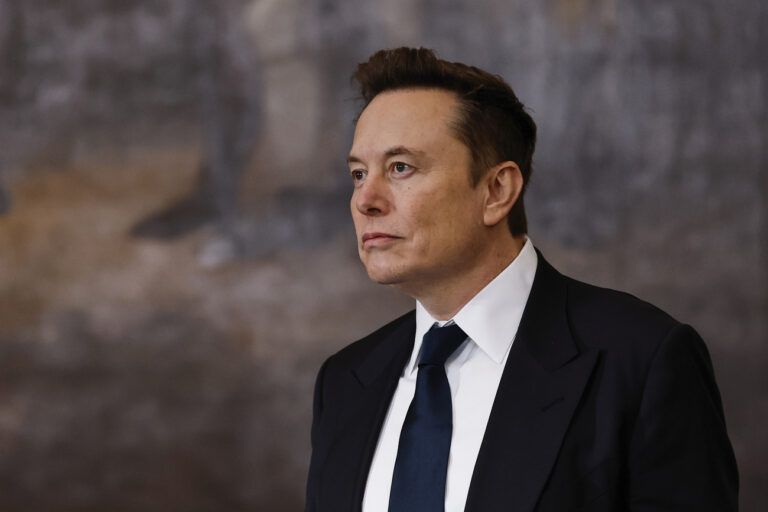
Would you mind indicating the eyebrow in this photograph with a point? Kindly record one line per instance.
(393, 151)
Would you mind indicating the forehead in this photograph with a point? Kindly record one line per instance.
(406, 117)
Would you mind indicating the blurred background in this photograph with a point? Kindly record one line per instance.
(176, 258)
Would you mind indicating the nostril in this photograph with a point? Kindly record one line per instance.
(369, 201)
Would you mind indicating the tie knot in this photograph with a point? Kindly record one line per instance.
(439, 343)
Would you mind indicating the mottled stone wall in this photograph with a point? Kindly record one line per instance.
(175, 254)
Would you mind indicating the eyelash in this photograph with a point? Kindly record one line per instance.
(395, 164)
(359, 174)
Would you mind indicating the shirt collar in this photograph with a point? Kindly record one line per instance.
(491, 317)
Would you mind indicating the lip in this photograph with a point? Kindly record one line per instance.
(377, 239)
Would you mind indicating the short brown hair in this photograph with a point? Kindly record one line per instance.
(492, 122)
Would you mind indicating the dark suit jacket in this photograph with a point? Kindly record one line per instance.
(605, 404)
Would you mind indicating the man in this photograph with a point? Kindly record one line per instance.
(510, 387)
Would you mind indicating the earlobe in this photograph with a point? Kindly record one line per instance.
(504, 184)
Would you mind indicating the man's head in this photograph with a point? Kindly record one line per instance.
(437, 162)
(489, 119)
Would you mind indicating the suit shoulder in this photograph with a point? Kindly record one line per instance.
(602, 315)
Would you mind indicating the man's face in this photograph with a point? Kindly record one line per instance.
(417, 217)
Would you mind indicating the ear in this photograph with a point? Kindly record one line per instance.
(503, 183)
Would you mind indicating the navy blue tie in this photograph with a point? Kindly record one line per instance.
(418, 481)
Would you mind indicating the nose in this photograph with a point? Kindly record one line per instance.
(371, 197)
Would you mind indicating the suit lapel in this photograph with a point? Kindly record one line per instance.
(537, 396)
(372, 384)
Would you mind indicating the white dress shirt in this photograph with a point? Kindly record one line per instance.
(490, 321)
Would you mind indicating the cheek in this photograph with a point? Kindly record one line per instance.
(430, 222)
(454, 221)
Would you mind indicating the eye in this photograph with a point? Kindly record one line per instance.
(401, 167)
(357, 174)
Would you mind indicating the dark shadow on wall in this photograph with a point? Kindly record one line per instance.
(230, 107)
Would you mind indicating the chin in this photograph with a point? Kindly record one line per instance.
(384, 274)
(382, 277)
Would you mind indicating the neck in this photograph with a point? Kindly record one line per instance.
(444, 299)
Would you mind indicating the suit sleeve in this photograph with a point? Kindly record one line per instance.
(680, 458)
(317, 410)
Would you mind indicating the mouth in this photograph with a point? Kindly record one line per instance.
(378, 239)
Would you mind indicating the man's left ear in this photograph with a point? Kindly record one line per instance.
(504, 182)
